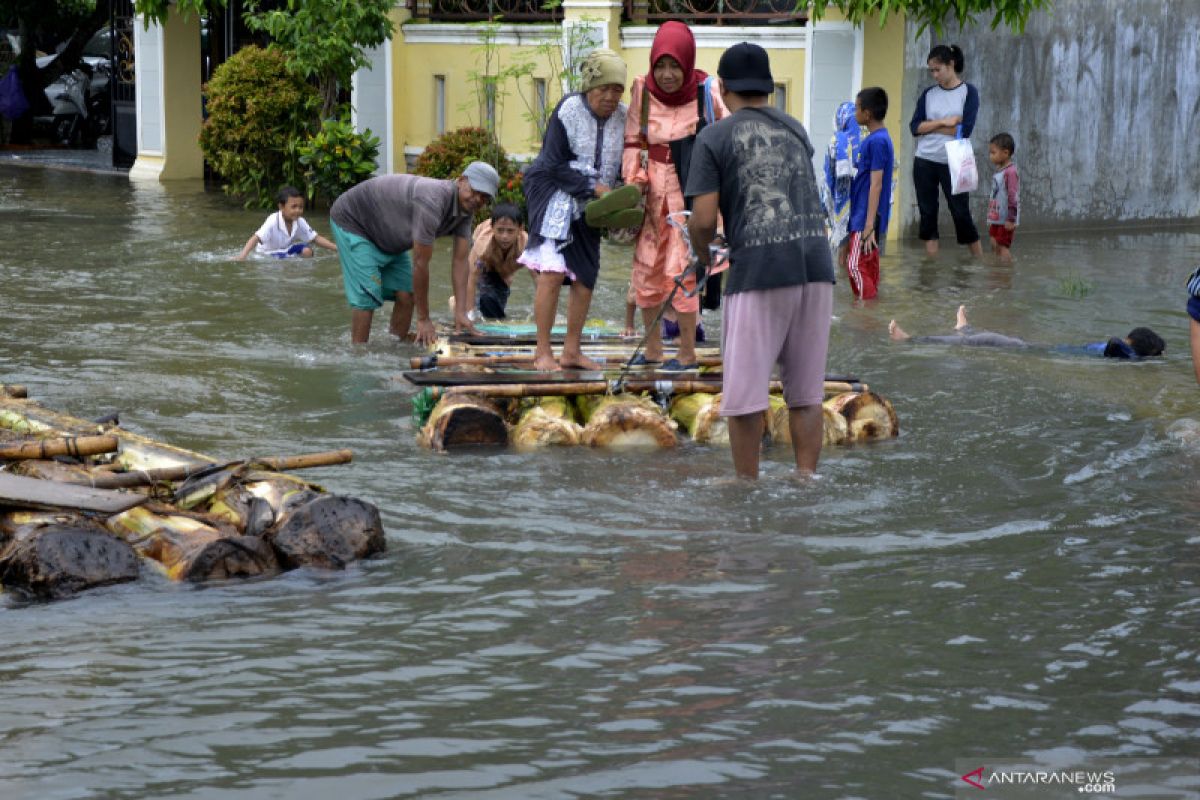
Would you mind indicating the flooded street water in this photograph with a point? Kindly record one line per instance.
(1015, 576)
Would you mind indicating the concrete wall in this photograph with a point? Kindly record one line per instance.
(1102, 97)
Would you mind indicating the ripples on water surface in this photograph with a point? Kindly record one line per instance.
(1015, 576)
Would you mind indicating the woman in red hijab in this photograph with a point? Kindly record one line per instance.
(667, 107)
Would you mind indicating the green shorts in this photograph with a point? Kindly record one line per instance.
(369, 275)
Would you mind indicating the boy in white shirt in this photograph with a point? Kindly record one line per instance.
(285, 233)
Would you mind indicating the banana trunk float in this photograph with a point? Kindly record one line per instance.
(51, 555)
(546, 422)
(868, 416)
(463, 420)
(625, 421)
(834, 428)
(700, 416)
(250, 519)
(190, 550)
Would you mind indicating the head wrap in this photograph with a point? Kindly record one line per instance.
(839, 168)
(600, 68)
(675, 39)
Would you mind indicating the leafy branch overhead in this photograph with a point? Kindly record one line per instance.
(326, 40)
(926, 13)
(933, 13)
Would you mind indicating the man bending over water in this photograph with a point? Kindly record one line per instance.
(1138, 344)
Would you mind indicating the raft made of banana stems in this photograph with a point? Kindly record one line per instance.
(647, 414)
(119, 503)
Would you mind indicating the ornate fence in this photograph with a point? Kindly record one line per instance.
(693, 12)
(718, 12)
(486, 10)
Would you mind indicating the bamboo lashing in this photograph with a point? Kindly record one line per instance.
(63, 446)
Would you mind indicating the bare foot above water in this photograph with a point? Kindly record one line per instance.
(546, 363)
(578, 361)
(896, 332)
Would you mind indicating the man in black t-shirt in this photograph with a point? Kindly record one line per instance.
(755, 168)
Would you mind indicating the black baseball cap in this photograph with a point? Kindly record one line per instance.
(745, 67)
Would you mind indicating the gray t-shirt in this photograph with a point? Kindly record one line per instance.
(939, 104)
(394, 212)
(760, 161)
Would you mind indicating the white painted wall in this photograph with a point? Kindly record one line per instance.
(1103, 100)
(835, 76)
(148, 74)
(371, 98)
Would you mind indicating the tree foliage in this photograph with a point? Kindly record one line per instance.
(326, 40)
(935, 13)
(449, 154)
(259, 113)
(336, 158)
(926, 13)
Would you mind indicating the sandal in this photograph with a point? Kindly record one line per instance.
(625, 218)
(598, 211)
(675, 365)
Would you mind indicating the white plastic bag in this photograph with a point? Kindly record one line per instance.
(963, 175)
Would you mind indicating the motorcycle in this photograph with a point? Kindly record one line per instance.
(79, 103)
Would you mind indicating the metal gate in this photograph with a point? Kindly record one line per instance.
(124, 98)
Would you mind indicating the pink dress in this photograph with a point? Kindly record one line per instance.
(660, 253)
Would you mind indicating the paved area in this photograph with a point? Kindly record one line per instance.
(97, 160)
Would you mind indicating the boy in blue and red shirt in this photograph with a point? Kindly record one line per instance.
(1004, 209)
(870, 193)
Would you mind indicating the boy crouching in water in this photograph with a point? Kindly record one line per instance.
(285, 233)
(1004, 209)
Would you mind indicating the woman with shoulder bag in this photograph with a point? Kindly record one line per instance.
(668, 106)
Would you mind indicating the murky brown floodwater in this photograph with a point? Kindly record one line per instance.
(1015, 576)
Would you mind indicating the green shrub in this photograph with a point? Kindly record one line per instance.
(449, 154)
(336, 158)
(258, 116)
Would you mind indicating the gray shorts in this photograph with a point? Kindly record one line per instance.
(788, 327)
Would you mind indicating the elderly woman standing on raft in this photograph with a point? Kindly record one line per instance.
(667, 106)
(580, 160)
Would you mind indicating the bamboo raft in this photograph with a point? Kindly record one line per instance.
(85, 504)
(482, 391)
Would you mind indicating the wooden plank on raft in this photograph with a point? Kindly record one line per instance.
(22, 492)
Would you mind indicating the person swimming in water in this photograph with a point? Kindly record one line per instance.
(1139, 343)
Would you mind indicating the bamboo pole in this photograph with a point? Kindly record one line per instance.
(513, 359)
(687, 386)
(64, 446)
(148, 476)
